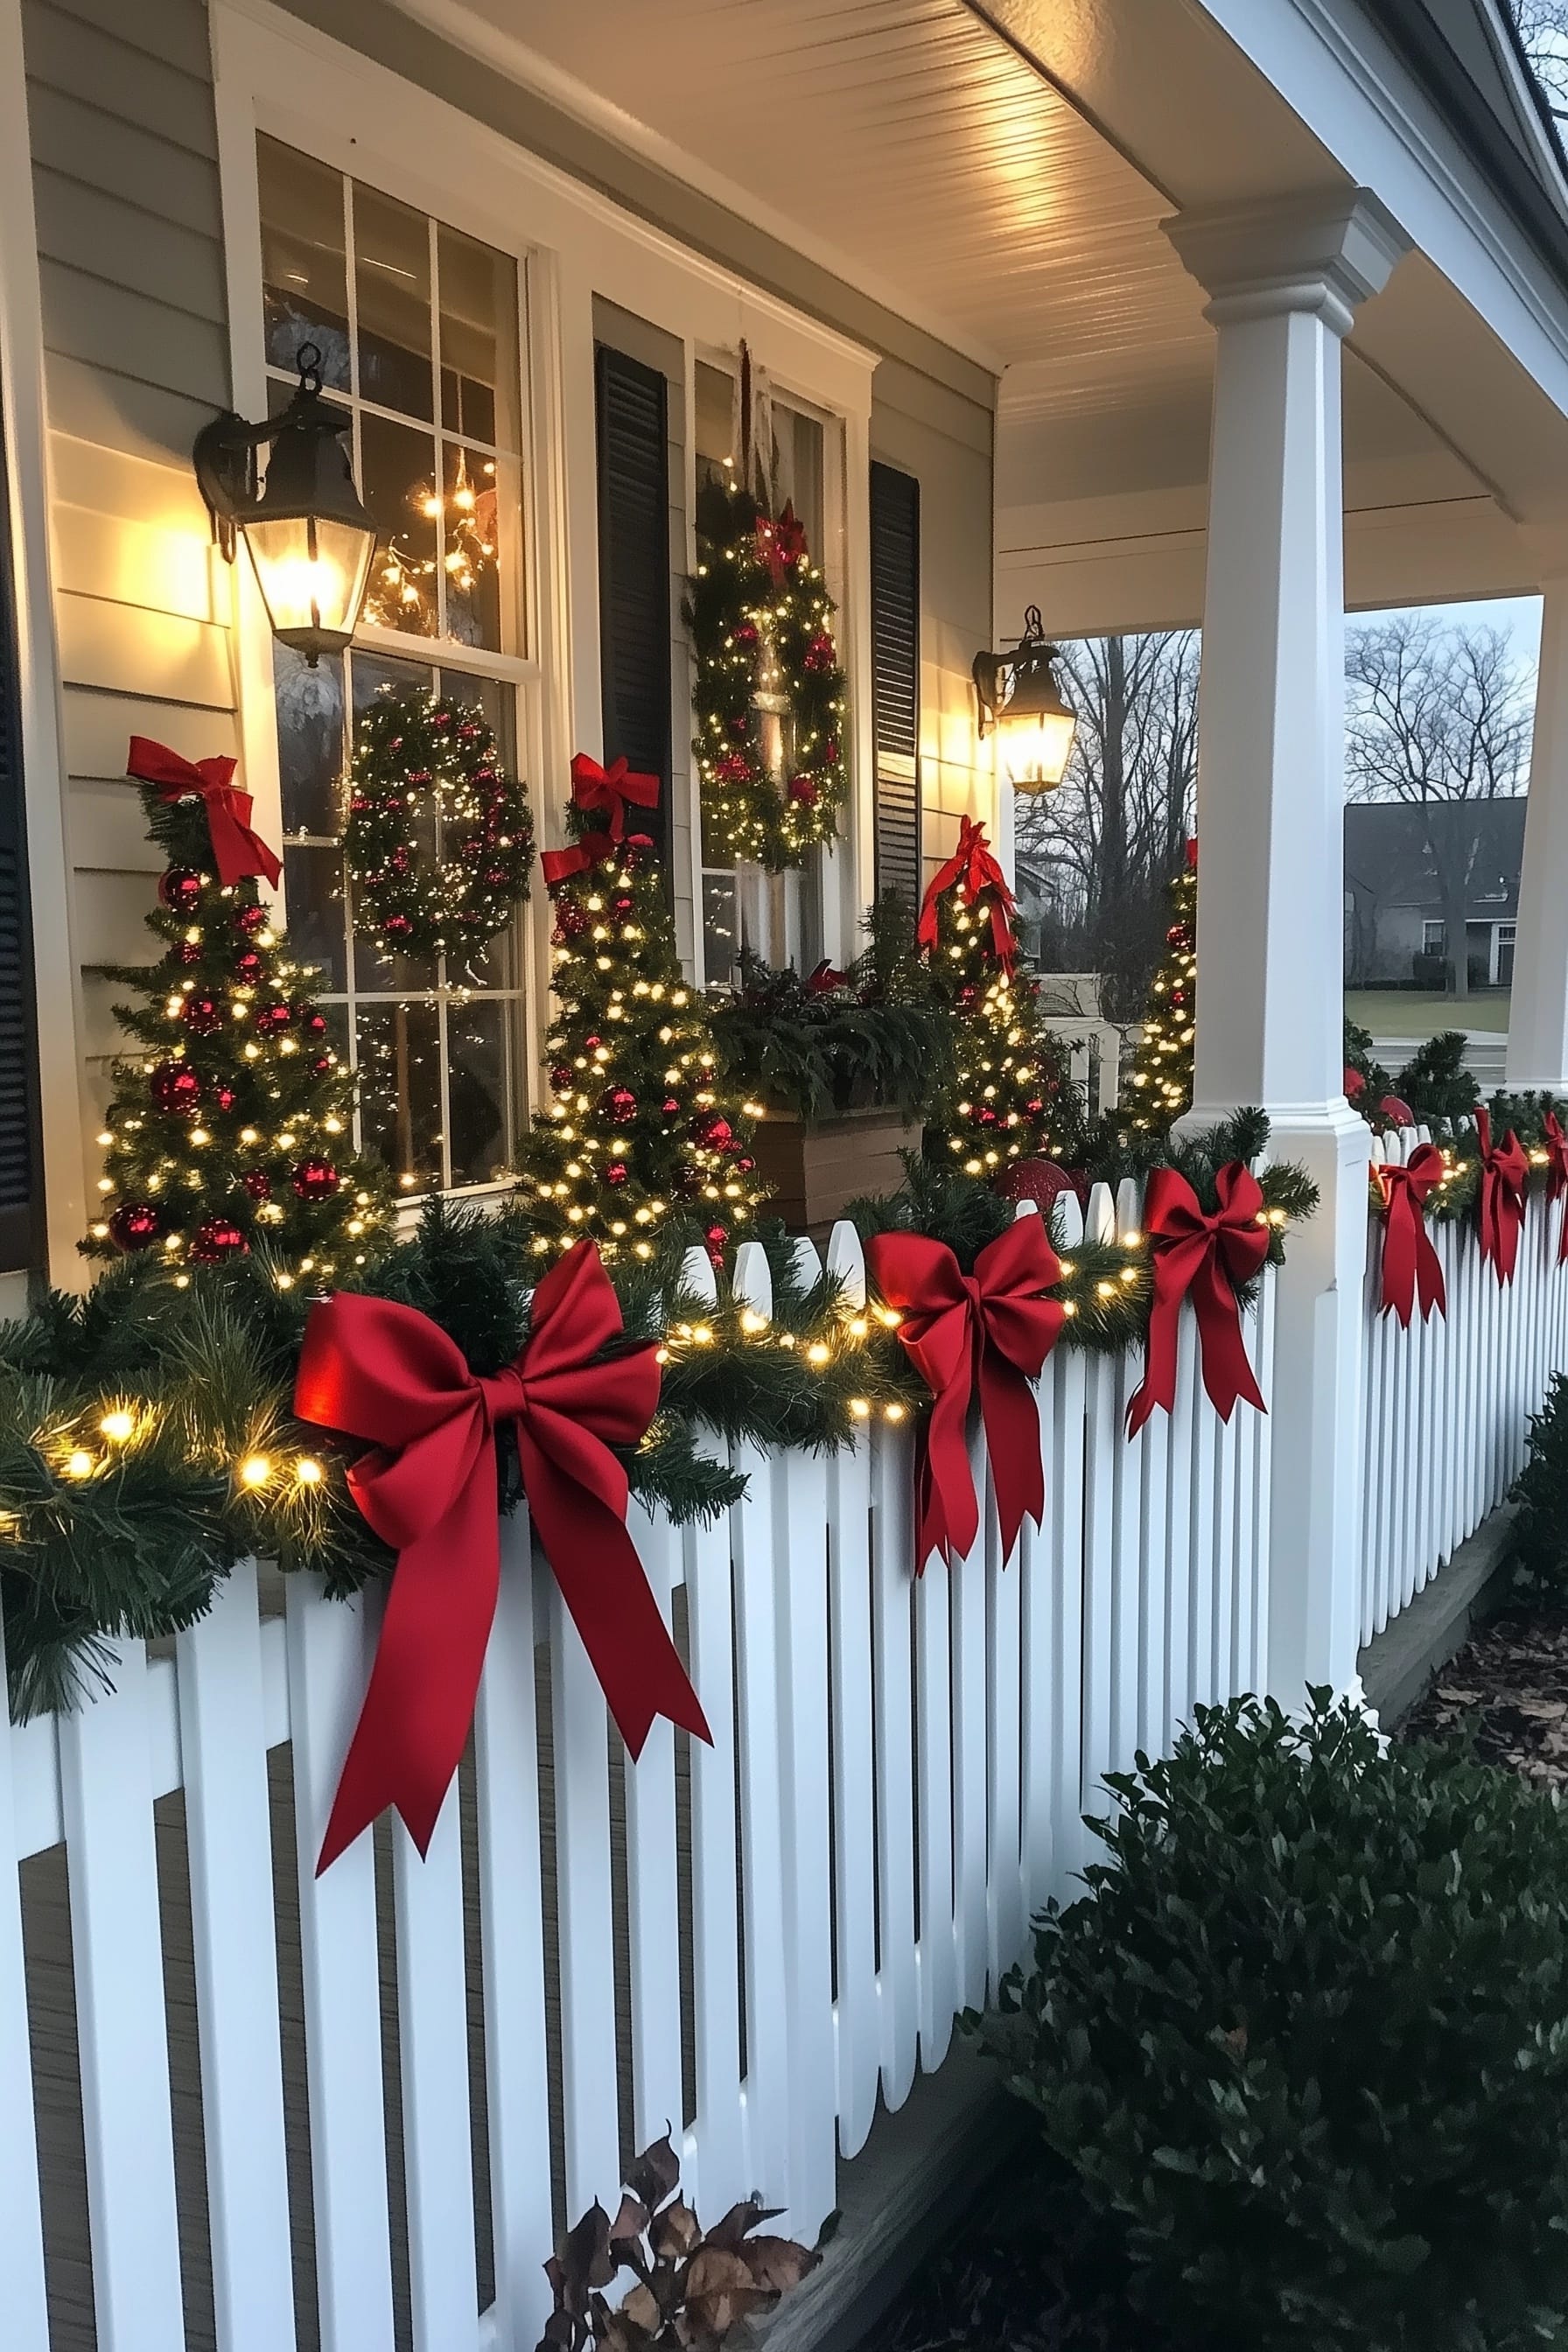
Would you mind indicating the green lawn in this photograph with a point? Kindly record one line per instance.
(1407, 1012)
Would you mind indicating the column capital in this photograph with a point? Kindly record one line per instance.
(1324, 252)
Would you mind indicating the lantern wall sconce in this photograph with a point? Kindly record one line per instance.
(1021, 704)
(310, 537)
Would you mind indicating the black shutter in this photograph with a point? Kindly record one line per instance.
(20, 1234)
(632, 403)
(896, 678)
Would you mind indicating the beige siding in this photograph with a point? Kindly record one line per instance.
(136, 358)
(944, 439)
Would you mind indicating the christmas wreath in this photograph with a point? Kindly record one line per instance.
(425, 766)
(761, 626)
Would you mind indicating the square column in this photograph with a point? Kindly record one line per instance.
(1284, 282)
(1538, 1016)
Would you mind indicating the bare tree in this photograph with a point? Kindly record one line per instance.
(1092, 857)
(1437, 717)
(1542, 28)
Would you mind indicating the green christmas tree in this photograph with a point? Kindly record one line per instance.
(229, 1130)
(643, 1137)
(1012, 1096)
(1160, 1084)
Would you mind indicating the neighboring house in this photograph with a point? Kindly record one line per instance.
(1395, 935)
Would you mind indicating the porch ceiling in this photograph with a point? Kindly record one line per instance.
(993, 198)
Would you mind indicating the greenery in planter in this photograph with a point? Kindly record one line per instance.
(1307, 2039)
(834, 1042)
(1541, 1529)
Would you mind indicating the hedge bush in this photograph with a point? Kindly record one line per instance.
(1306, 2039)
(1541, 1491)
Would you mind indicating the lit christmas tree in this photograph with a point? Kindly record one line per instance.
(229, 1131)
(1160, 1084)
(642, 1131)
(1013, 1097)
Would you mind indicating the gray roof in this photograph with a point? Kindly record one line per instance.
(1386, 857)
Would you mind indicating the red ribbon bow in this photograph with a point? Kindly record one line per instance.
(1204, 1254)
(237, 849)
(995, 1327)
(1411, 1267)
(596, 787)
(377, 1369)
(1505, 1175)
(1556, 1142)
(974, 868)
(823, 979)
(781, 543)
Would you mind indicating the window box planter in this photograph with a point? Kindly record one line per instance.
(815, 1171)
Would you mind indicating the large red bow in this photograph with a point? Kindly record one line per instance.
(995, 1326)
(1556, 1143)
(237, 849)
(381, 1371)
(599, 789)
(973, 868)
(1505, 1175)
(781, 543)
(1411, 1267)
(1204, 1255)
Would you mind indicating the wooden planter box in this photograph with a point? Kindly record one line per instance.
(815, 1172)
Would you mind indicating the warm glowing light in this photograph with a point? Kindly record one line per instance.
(256, 1470)
(117, 1427)
(308, 1471)
(80, 1464)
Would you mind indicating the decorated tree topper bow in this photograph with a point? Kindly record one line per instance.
(780, 543)
(1203, 1254)
(1411, 1267)
(1505, 1176)
(993, 1328)
(376, 1369)
(972, 868)
(237, 850)
(605, 791)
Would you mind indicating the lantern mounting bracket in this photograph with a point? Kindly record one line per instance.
(996, 676)
(225, 450)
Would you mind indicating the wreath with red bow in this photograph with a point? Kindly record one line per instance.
(439, 837)
(762, 631)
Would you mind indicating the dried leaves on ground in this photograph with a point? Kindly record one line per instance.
(1507, 1690)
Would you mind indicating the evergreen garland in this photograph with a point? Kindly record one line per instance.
(438, 839)
(229, 1131)
(762, 624)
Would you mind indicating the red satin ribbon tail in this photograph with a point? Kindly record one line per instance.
(611, 1605)
(1013, 1442)
(1399, 1258)
(1228, 1371)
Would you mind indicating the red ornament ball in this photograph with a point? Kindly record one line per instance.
(218, 1238)
(821, 653)
(617, 1172)
(314, 1025)
(745, 634)
(273, 1018)
(315, 1180)
(257, 1184)
(803, 790)
(623, 905)
(397, 927)
(561, 1076)
(1397, 1111)
(181, 889)
(175, 1087)
(669, 1108)
(323, 1062)
(223, 1097)
(188, 951)
(593, 1044)
(619, 1105)
(1039, 1181)
(746, 1164)
(204, 1014)
(571, 922)
(715, 1131)
(249, 966)
(134, 1225)
(734, 768)
(248, 919)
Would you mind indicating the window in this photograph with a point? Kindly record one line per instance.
(1433, 937)
(420, 329)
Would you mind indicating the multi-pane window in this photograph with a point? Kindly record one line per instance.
(419, 331)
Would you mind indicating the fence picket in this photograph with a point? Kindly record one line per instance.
(21, 2215)
(653, 1871)
(910, 1986)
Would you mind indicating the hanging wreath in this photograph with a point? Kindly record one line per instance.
(439, 838)
(761, 626)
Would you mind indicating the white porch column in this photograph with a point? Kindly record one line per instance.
(1284, 282)
(1538, 1016)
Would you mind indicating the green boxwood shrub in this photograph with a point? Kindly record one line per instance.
(1541, 1491)
(1306, 2040)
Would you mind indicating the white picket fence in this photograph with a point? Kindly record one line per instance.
(278, 2112)
(1447, 1402)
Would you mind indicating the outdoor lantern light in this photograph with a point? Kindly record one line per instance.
(310, 537)
(1018, 698)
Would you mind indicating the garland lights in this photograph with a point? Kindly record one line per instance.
(438, 840)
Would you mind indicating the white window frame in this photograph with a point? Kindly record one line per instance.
(272, 73)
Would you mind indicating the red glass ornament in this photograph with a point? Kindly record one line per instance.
(180, 889)
(593, 1044)
(1039, 1181)
(716, 1237)
(223, 1097)
(623, 905)
(188, 951)
(257, 1184)
(134, 1224)
(734, 768)
(804, 789)
(570, 920)
(173, 1087)
(830, 751)
(745, 634)
(985, 1115)
(272, 1018)
(202, 1014)
(617, 1172)
(250, 919)
(821, 653)
(218, 1238)
(397, 927)
(746, 1164)
(315, 1180)
(323, 1062)
(249, 966)
(669, 1108)
(619, 1105)
(314, 1025)
(561, 1076)
(715, 1130)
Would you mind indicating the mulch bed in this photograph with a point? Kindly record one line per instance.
(1507, 1690)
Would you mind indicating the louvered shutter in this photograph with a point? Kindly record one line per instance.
(20, 1238)
(634, 571)
(896, 678)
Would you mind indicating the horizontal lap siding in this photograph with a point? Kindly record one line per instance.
(136, 357)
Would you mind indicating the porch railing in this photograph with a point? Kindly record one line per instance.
(1447, 1402)
(275, 2110)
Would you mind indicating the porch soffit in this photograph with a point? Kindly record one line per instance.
(915, 149)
